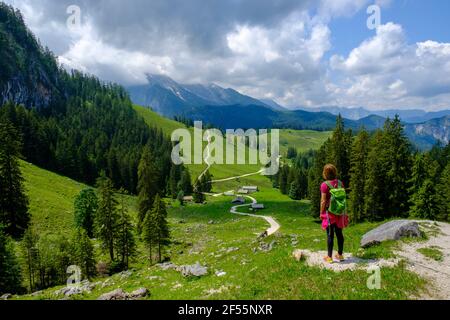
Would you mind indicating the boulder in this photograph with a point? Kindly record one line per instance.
(118, 294)
(195, 270)
(139, 293)
(394, 230)
(298, 255)
(6, 296)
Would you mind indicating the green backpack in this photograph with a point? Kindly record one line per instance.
(338, 202)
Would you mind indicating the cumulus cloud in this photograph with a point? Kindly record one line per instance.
(265, 48)
(386, 71)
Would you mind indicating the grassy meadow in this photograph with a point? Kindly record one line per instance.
(223, 242)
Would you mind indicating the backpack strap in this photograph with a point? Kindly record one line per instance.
(330, 186)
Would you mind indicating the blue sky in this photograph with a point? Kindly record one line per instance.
(297, 52)
(421, 19)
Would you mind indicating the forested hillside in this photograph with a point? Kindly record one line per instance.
(71, 123)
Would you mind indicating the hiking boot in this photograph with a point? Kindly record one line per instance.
(328, 260)
(340, 257)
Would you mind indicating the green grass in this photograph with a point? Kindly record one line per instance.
(155, 120)
(51, 199)
(302, 140)
(250, 273)
(434, 253)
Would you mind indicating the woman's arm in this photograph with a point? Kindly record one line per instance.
(323, 203)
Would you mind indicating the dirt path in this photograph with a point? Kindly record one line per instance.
(274, 225)
(436, 272)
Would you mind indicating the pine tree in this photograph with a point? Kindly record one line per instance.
(30, 254)
(315, 178)
(180, 198)
(399, 163)
(147, 184)
(198, 195)
(86, 204)
(283, 179)
(294, 191)
(424, 200)
(83, 253)
(340, 147)
(375, 188)
(125, 242)
(206, 182)
(107, 216)
(10, 272)
(14, 213)
(174, 180)
(160, 215)
(444, 195)
(185, 183)
(150, 233)
(358, 176)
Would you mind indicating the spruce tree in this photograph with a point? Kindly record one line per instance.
(159, 213)
(125, 242)
(294, 191)
(148, 177)
(83, 253)
(340, 147)
(315, 178)
(399, 163)
(358, 176)
(14, 215)
(185, 183)
(150, 233)
(375, 188)
(107, 216)
(444, 195)
(425, 202)
(10, 272)
(86, 204)
(198, 195)
(30, 255)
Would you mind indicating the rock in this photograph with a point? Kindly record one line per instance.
(37, 293)
(125, 274)
(263, 235)
(266, 247)
(221, 273)
(6, 296)
(230, 250)
(84, 286)
(211, 222)
(118, 294)
(298, 255)
(195, 270)
(139, 293)
(394, 230)
(168, 266)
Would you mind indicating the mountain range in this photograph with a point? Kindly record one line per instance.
(407, 116)
(227, 108)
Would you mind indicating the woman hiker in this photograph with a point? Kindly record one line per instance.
(333, 223)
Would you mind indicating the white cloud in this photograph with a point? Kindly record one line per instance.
(386, 71)
(273, 49)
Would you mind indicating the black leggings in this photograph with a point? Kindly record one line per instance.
(340, 237)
